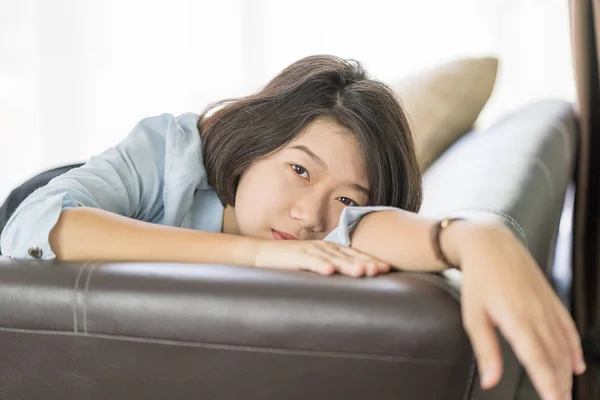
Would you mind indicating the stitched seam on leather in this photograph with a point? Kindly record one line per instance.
(77, 296)
(85, 292)
(259, 349)
(469, 388)
(546, 172)
(562, 128)
(506, 217)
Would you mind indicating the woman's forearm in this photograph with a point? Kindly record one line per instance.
(85, 233)
(402, 239)
(399, 238)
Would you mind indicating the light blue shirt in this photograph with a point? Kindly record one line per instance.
(156, 174)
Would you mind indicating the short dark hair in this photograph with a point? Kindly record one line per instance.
(248, 129)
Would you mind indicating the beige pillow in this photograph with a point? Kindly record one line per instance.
(443, 102)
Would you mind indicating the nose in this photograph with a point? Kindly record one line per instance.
(309, 210)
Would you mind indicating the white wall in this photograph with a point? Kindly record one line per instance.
(76, 75)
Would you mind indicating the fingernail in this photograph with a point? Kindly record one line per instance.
(486, 378)
(582, 367)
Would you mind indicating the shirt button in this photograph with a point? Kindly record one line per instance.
(35, 252)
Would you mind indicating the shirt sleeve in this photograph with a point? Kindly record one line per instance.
(348, 220)
(126, 179)
(351, 216)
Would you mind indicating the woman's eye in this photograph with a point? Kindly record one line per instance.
(301, 171)
(347, 201)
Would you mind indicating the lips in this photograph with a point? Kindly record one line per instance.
(278, 235)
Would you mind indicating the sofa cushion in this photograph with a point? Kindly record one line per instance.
(443, 102)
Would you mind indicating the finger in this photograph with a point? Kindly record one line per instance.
(319, 265)
(370, 268)
(485, 345)
(552, 335)
(343, 262)
(354, 253)
(572, 337)
(324, 268)
(375, 263)
(532, 354)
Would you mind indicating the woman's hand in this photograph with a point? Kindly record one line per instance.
(318, 256)
(503, 287)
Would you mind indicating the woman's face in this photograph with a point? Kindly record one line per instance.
(300, 191)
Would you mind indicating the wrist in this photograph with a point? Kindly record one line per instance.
(262, 252)
(247, 251)
(463, 236)
(455, 241)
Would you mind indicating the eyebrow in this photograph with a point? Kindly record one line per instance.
(322, 163)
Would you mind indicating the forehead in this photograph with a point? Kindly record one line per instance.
(337, 146)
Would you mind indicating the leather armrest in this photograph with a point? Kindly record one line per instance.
(143, 330)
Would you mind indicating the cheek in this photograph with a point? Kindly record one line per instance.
(263, 195)
(261, 186)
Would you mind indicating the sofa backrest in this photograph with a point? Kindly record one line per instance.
(516, 172)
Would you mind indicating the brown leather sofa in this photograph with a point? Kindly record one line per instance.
(161, 331)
